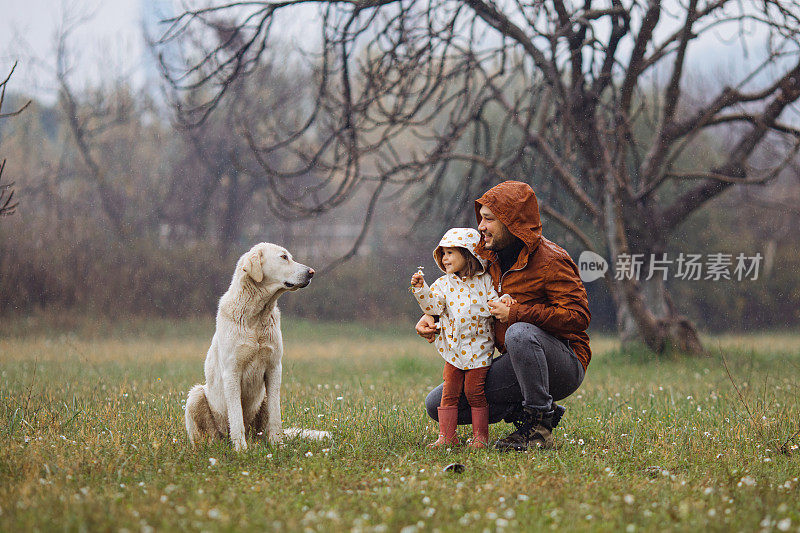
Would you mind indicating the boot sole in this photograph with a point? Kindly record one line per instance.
(505, 447)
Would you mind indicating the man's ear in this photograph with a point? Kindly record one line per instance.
(252, 266)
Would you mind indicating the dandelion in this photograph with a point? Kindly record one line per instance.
(784, 524)
(212, 461)
(245, 473)
(309, 454)
(214, 514)
(628, 499)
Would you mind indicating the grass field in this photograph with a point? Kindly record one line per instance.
(92, 439)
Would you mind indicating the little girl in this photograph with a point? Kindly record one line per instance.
(466, 338)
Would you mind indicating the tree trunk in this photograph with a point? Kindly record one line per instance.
(644, 309)
(674, 332)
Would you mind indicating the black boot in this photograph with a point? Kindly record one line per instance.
(558, 412)
(534, 429)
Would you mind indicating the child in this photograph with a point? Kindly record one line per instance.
(466, 338)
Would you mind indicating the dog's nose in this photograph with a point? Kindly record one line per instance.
(311, 272)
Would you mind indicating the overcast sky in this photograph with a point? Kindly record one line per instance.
(109, 42)
(111, 38)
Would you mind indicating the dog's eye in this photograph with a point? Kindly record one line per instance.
(284, 256)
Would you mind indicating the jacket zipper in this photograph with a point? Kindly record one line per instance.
(500, 283)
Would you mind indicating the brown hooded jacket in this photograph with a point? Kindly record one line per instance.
(544, 280)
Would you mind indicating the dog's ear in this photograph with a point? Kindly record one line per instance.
(252, 266)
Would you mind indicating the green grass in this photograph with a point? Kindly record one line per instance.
(92, 438)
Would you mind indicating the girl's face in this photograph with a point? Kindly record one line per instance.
(453, 260)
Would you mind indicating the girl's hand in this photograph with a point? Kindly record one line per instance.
(418, 280)
(501, 308)
(508, 299)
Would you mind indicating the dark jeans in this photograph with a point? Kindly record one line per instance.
(537, 369)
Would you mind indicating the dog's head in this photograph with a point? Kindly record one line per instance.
(272, 267)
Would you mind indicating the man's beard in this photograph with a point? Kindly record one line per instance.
(500, 241)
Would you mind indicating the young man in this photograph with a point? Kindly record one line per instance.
(541, 337)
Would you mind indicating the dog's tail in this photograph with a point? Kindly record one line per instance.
(310, 434)
(199, 420)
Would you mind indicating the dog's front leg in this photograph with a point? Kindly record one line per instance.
(272, 381)
(233, 400)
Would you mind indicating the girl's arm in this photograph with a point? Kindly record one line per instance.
(430, 299)
(491, 293)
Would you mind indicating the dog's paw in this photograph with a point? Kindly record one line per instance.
(240, 444)
(275, 438)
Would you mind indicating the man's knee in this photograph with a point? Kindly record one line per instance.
(520, 334)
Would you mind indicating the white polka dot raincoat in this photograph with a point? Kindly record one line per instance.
(466, 334)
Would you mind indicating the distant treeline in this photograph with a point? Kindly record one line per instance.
(149, 220)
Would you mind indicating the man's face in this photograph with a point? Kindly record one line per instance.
(495, 233)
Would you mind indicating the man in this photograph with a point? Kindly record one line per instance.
(541, 336)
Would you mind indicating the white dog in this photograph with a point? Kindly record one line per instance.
(243, 365)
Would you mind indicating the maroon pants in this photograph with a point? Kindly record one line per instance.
(470, 381)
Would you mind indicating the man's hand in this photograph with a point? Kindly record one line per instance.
(426, 328)
(501, 307)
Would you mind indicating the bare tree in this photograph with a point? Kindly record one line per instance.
(449, 97)
(7, 189)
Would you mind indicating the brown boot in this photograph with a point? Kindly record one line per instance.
(480, 427)
(534, 430)
(448, 419)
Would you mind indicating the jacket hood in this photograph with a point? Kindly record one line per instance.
(514, 204)
(467, 238)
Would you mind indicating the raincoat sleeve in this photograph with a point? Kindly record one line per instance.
(567, 308)
(491, 293)
(430, 299)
